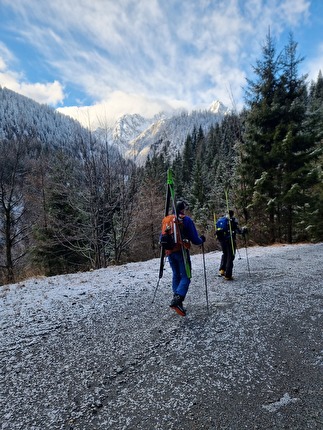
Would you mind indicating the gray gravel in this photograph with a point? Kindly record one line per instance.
(90, 351)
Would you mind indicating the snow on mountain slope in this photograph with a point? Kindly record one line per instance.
(134, 136)
(126, 128)
(172, 132)
(137, 137)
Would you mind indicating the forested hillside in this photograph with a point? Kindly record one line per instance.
(69, 202)
(20, 116)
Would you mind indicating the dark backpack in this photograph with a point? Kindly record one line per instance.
(222, 228)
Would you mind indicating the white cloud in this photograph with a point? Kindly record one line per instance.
(136, 47)
(314, 65)
(137, 56)
(120, 103)
(48, 93)
(293, 10)
(5, 56)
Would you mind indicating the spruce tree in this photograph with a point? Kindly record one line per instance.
(278, 152)
(257, 169)
(291, 151)
(315, 123)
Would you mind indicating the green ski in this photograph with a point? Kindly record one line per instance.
(170, 197)
(170, 183)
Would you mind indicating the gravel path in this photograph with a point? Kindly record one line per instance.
(90, 351)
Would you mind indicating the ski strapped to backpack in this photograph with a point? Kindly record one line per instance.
(162, 249)
(172, 235)
(179, 237)
(170, 198)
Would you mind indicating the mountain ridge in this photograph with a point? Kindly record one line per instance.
(138, 138)
(22, 116)
(132, 135)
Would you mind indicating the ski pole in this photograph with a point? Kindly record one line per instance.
(162, 252)
(156, 290)
(206, 294)
(245, 241)
(161, 271)
(239, 255)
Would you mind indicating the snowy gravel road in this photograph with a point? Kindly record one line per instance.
(89, 351)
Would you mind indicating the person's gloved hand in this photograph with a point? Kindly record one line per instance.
(203, 238)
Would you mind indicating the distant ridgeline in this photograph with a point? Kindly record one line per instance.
(19, 115)
(137, 137)
(133, 136)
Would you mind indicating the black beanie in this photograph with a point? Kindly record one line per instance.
(180, 205)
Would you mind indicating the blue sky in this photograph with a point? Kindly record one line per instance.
(105, 58)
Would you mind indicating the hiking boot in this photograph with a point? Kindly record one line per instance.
(180, 310)
(177, 305)
(228, 278)
(221, 272)
(177, 300)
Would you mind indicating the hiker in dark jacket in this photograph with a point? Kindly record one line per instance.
(179, 258)
(229, 246)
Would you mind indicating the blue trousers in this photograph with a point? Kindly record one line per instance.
(180, 281)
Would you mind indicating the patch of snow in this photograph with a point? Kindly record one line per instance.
(284, 401)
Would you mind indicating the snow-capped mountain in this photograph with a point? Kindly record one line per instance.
(134, 136)
(125, 130)
(137, 137)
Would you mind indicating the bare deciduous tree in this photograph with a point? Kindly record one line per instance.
(14, 225)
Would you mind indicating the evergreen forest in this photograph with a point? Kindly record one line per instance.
(73, 203)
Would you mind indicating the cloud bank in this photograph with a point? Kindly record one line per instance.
(145, 56)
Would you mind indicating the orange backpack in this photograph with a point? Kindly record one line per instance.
(171, 238)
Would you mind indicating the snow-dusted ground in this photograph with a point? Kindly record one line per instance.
(90, 351)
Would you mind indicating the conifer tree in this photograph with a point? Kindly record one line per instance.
(315, 123)
(291, 146)
(278, 151)
(188, 159)
(263, 115)
(218, 160)
(59, 241)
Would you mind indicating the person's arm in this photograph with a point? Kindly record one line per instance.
(239, 230)
(191, 232)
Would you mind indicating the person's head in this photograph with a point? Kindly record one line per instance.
(231, 213)
(181, 206)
